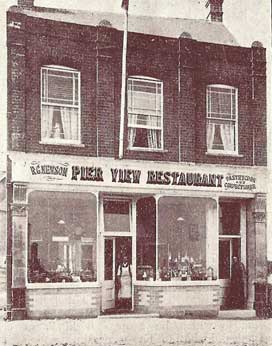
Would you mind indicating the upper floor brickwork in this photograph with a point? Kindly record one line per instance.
(184, 66)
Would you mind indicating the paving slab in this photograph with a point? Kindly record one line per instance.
(136, 332)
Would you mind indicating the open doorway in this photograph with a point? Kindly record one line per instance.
(232, 273)
(117, 285)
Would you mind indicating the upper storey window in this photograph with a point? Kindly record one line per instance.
(145, 113)
(222, 119)
(60, 105)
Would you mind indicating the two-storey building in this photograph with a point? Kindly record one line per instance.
(188, 191)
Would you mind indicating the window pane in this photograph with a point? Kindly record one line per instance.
(60, 104)
(60, 89)
(224, 259)
(221, 135)
(182, 238)
(229, 218)
(108, 259)
(144, 138)
(221, 103)
(60, 123)
(146, 239)
(144, 113)
(116, 216)
(62, 237)
(148, 121)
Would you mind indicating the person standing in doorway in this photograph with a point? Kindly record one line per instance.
(125, 283)
(237, 284)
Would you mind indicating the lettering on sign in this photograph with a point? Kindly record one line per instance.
(50, 171)
(87, 173)
(125, 175)
(240, 182)
(185, 179)
(113, 175)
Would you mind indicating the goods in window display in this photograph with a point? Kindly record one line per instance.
(145, 272)
(185, 269)
(87, 274)
(62, 241)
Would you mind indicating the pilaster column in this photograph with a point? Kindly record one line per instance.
(256, 243)
(259, 217)
(19, 259)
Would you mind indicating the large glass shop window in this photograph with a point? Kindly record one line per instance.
(181, 245)
(62, 237)
(146, 239)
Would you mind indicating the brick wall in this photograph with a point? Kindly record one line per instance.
(184, 65)
(63, 302)
(177, 300)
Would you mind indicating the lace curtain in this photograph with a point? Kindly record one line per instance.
(68, 118)
(47, 121)
(227, 135)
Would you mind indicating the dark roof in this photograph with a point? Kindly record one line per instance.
(199, 29)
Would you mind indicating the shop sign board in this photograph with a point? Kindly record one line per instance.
(109, 172)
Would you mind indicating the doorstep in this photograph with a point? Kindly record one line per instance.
(129, 315)
(239, 314)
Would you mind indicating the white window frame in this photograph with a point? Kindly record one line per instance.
(157, 82)
(233, 118)
(62, 141)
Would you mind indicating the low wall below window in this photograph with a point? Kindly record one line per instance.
(63, 302)
(177, 300)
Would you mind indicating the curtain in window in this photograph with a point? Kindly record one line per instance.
(131, 136)
(152, 138)
(67, 260)
(227, 135)
(47, 121)
(210, 134)
(69, 122)
(76, 257)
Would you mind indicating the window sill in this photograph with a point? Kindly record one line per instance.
(215, 153)
(33, 286)
(148, 150)
(66, 144)
(178, 283)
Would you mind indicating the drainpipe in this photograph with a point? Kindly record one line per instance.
(9, 242)
(123, 87)
(179, 95)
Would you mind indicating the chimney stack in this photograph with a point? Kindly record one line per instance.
(216, 10)
(26, 4)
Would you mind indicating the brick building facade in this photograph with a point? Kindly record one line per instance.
(189, 192)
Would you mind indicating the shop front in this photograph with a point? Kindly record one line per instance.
(111, 237)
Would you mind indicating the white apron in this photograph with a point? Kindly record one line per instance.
(125, 279)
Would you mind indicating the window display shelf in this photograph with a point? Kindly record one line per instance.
(178, 283)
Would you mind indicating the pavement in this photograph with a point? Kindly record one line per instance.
(136, 331)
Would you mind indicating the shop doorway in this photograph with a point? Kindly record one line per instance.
(115, 297)
(228, 248)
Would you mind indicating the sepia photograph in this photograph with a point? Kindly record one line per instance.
(135, 173)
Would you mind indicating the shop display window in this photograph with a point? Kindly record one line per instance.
(181, 244)
(62, 233)
(146, 239)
